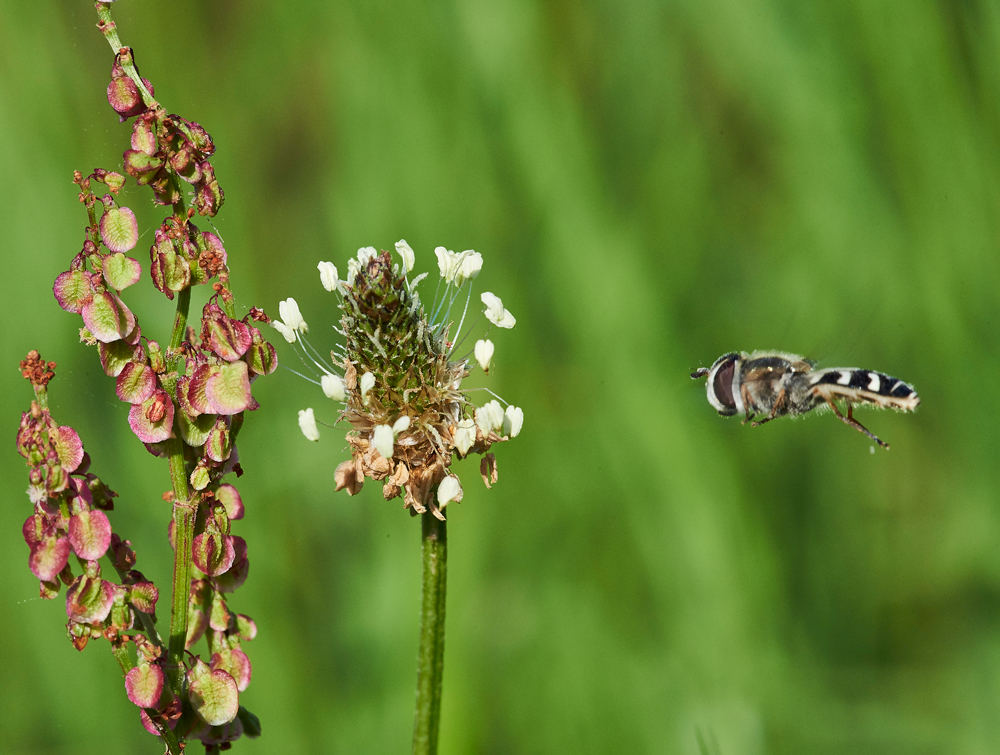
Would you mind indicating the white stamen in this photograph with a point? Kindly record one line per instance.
(465, 436)
(328, 275)
(489, 417)
(495, 311)
(382, 440)
(333, 387)
(307, 424)
(289, 311)
(467, 266)
(287, 332)
(484, 353)
(449, 490)
(367, 383)
(406, 253)
(513, 418)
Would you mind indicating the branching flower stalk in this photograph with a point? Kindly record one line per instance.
(399, 375)
(187, 404)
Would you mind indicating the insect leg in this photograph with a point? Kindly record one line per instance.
(745, 394)
(849, 420)
(779, 403)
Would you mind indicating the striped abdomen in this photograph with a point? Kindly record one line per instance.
(864, 386)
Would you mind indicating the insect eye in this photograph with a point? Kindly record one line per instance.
(722, 386)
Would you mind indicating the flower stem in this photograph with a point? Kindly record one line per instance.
(430, 657)
(184, 514)
(110, 32)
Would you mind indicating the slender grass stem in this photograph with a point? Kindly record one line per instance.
(430, 657)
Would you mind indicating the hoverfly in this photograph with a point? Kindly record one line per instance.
(776, 384)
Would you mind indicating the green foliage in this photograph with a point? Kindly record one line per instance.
(651, 184)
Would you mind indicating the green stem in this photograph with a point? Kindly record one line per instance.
(110, 32)
(185, 513)
(120, 652)
(169, 738)
(180, 324)
(42, 397)
(430, 657)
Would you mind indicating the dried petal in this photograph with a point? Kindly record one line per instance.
(488, 469)
(346, 476)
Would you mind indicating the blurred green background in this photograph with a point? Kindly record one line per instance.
(651, 184)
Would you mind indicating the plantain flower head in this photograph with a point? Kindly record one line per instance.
(399, 378)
